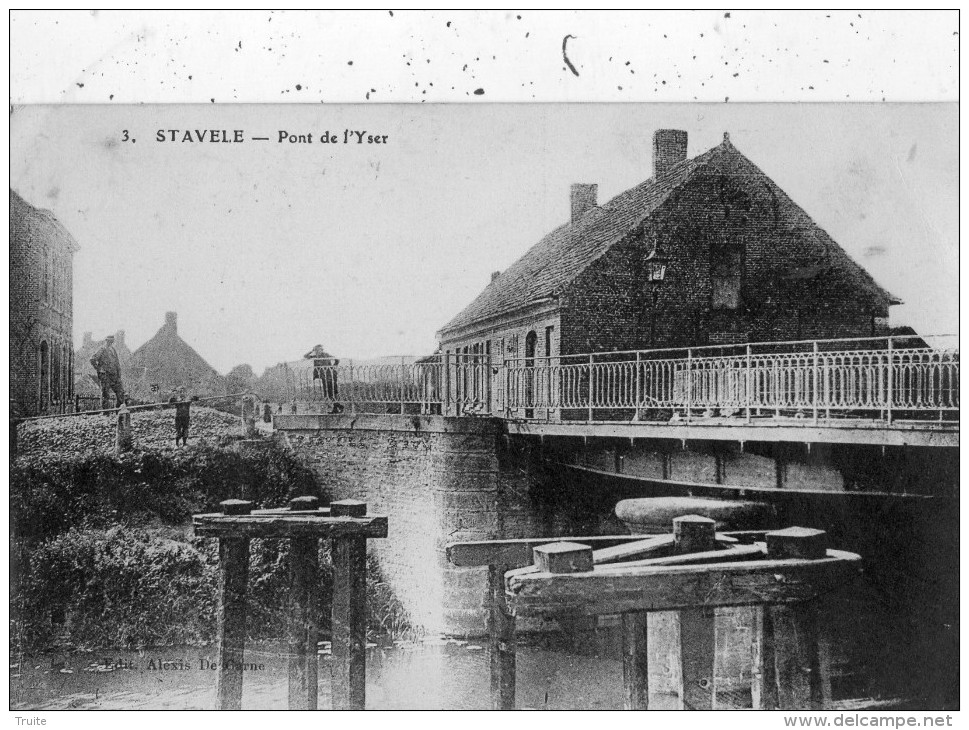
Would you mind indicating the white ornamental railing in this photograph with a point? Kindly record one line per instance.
(456, 385)
(904, 377)
(887, 378)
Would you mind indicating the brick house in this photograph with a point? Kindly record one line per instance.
(167, 361)
(707, 251)
(41, 310)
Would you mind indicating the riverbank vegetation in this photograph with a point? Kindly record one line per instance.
(103, 554)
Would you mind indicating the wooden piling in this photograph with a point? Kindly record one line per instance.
(694, 534)
(303, 630)
(794, 627)
(502, 644)
(563, 557)
(233, 578)
(635, 661)
(796, 659)
(349, 612)
(697, 634)
(697, 654)
(763, 679)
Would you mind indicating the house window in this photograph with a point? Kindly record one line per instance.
(726, 272)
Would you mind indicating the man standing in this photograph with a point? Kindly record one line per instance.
(182, 415)
(108, 367)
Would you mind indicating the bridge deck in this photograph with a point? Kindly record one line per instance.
(944, 434)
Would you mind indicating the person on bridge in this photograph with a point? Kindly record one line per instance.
(108, 367)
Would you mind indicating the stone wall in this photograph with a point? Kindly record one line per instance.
(439, 480)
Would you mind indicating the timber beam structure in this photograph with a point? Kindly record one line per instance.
(935, 434)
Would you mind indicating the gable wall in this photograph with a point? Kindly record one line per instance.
(610, 305)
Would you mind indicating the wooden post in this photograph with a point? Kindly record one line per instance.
(124, 441)
(763, 690)
(693, 533)
(249, 416)
(697, 653)
(233, 580)
(303, 631)
(563, 557)
(797, 665)
(635, 664)
(349, 612)
(501, 634)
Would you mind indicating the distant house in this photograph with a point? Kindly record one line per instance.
(41, 310)
(707, 251)
(167, 361)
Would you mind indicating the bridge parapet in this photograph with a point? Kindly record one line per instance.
(889, 380)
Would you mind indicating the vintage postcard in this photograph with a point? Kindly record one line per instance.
(484, 406)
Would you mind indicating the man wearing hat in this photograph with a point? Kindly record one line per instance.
(108, 367)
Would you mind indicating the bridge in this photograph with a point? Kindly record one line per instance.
(890, 391)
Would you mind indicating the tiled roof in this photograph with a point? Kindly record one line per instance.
(167, 358)
(551, 264)
(555, 261)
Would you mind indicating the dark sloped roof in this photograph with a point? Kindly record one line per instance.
(170, 359)
(555, 261)
(563, 254)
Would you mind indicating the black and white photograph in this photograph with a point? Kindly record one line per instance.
(329, 403)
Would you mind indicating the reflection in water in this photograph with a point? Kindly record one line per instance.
(434, 674)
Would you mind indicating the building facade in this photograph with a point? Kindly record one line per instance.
(707, 251)
(41, 310)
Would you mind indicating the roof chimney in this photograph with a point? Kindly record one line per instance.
(583, 199)
(669, 147)
(495, 275)
(87, 339)
(119, 337)
(171, 321)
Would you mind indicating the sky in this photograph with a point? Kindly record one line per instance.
(265, 248)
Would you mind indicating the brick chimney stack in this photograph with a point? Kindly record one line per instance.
(495, 275)
(171, 321)
(669, 147)
(119, 337)
(583, 199)
(88, 339)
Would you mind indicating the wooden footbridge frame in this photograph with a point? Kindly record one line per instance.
(781, 573)
(348, 527)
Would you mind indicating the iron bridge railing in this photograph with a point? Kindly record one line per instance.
(889, 379)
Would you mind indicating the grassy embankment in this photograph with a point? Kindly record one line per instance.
(102, 549)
